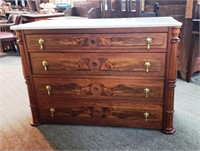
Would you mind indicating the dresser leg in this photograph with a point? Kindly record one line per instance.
(169, 131)
(35, 118)
(35, 123)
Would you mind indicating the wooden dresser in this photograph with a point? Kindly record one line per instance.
(117, 72)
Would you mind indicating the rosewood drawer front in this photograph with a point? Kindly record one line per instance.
(144, 64)
(135, 41)
(68, 42)
(125, 114)
(56, 41)
(118, 88)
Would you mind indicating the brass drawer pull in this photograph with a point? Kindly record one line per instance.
(146, 115)
(147, 65)
(45, 64)
(41, 43)
(52, 110)
(148, 41)
(48, 87)
(146, 91)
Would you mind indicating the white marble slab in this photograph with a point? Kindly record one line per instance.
(67, 17)
(42, 15)
(99, 23)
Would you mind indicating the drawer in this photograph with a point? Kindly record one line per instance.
(136, 41)
(51, 42)
(104, 42)
(118, 88)
(137, 114)
(144, 64)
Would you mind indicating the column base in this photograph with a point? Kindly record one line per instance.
(35, 123)
(169, 131)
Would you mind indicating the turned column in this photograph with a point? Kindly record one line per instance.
(170, 82)
(27, 73)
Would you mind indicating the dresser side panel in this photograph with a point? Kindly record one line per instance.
(28, 79)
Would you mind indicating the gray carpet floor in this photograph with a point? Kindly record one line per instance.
(17, 134)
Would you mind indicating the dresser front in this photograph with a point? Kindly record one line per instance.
(101, 77)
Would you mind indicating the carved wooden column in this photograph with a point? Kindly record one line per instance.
(26, 73)
(170, 81)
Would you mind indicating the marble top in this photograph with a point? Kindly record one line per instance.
(35, 15)
(67, 17)
(16, 12)
(99, 23)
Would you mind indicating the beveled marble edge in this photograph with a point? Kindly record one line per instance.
(67, 17)
(100, 23)
(42, 15)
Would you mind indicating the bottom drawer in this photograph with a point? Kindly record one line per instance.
(131, 114)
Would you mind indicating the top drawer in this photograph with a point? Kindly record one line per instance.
(97, 42)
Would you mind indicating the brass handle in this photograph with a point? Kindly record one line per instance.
(147, 65)
(48, 87)
(52, 110)
(41, 43)
(146, 91)
(45, 64)
(146, 115)
(148, 41)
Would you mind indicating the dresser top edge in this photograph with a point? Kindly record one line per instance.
(100, 23)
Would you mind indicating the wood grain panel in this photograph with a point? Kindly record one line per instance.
(68, 42)
(99, 64)
(118, 88)
(53, 42)
(127, 114)
(132, 40)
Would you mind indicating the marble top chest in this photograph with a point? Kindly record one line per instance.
(122, 74)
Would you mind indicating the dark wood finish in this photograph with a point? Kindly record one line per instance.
(110, 9)
(171, 71)
(26, 18)
(101, 63)
(100, 41)
(94, 82)
(194, 56)
(186, 33)
(8, 41)
(178, 10)
(165, 2)
(82, 12)
(89, 9)
(7, 37)
(125, 88)
(109, 113)
(124, 8)
(118, 8)
(13, 19)
(87, 4)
